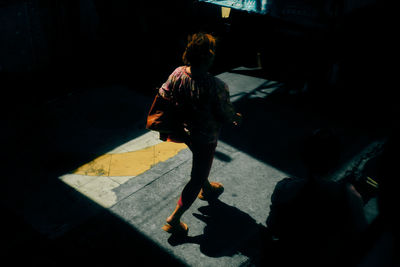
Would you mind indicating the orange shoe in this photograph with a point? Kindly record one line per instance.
(216, 190)
(176, 229)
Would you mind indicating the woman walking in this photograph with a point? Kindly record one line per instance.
(202, 101)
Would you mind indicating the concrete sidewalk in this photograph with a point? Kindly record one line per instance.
(97, 185)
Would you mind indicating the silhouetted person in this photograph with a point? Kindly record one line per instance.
(380, 245)
(204, 106)
(314, 219)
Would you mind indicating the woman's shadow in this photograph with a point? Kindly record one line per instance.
(228, 231)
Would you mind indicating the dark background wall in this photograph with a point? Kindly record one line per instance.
(48, 47)
(64, 44)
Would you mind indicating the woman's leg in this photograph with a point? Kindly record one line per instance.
(203, 155)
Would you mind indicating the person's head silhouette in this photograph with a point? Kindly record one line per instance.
(321, 152)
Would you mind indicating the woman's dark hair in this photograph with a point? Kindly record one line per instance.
(200, 47)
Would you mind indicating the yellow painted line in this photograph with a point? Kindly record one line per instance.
(130, 163)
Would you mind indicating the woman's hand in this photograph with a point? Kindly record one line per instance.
(238, 119)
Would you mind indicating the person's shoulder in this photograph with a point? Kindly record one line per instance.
(287, 188)
(178, 71)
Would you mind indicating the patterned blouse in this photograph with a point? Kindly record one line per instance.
(203, 101)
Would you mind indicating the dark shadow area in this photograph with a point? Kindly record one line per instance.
(228, 231)
(103, 240)
(65, 134)
(222, 156)
(274, 128)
